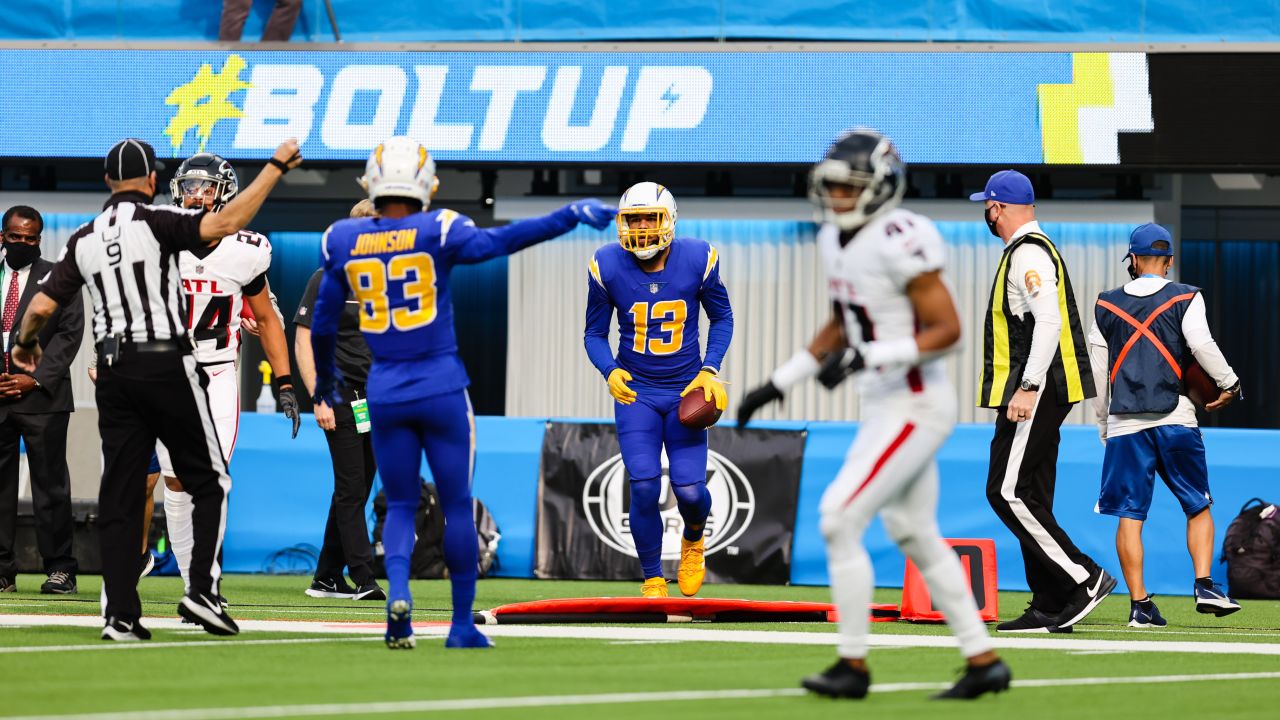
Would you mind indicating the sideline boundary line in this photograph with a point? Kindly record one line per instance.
(536, 701)
(678, 634)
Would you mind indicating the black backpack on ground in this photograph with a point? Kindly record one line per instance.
(427, 561)
(1251, 551)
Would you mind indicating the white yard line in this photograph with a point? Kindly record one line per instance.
(677, 634)
(536, 701)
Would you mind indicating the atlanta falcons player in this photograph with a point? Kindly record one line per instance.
(219, 280)
(893, 319)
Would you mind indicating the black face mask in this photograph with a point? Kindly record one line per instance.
(991, 224)
(19, 254)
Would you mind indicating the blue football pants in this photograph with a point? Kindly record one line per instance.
(443, 427)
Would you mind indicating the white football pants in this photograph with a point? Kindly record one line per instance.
(890, 469)
(224, 403)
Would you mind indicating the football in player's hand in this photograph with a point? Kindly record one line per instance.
(697, 412)
(1200, 387)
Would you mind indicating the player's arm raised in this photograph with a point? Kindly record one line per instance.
(474, 245)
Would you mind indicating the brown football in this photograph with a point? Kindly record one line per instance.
(696, 412)
(1200, 387)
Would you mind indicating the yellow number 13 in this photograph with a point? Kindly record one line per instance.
(672, 313)
(369, 277)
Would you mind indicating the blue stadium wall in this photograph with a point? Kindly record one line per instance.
(271, 474)
(588, 20)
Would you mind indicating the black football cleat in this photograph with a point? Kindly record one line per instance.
(839, 681)
(977, 681)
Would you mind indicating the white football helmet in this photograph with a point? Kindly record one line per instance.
(400, 167)
(647, 198)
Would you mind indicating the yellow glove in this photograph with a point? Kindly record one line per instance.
(618, 386)
(711, 388)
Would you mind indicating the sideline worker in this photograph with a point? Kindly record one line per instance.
(1141, 334)
(1035, 368)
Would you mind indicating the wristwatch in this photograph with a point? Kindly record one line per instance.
(1029, 386)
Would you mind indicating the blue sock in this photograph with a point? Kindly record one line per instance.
(460, 556)
(397, 543)
(694, 503)
(646, 525)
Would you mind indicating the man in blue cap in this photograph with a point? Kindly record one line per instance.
(1032, 340)
(1141, 333)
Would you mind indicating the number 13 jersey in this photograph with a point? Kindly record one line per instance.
(215, 280)
(867, 281)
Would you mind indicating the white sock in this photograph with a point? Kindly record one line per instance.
(178, 507)
(852, 582)
(949, 589)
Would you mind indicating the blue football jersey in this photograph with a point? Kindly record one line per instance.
(657, 313)
(398, 270)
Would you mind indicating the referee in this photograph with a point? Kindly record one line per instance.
(149, 385)
(1035, 368)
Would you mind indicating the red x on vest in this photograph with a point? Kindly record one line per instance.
(1143, 330)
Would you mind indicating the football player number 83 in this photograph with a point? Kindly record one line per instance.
(369, 279)
(670, 314)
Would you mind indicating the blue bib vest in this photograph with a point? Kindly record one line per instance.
(1144, 371)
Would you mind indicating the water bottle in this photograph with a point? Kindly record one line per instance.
(266, 401)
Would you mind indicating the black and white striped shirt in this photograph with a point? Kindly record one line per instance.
(128, 256)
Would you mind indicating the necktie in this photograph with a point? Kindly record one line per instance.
(10, 311)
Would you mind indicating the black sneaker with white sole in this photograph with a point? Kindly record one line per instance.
(1086, 597)
(371, 591)
(207, 612)
(977, 681)
(1031, 621)
(124, 631)
(839, 681)
(333, 588)
(59, 582)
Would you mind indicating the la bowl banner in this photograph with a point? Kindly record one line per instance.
(584, 506)
(573, 107)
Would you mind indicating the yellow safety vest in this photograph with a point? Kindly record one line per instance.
(1006, 339)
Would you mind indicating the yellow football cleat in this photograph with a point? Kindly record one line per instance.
(693, 568)
(654, 587)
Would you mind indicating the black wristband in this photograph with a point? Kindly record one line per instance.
(25, 345)
(282, 380)
(282, 167)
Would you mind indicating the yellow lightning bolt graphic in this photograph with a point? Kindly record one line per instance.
(203, 102)
(1091, 86)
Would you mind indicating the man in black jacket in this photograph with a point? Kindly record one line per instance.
(36, 407)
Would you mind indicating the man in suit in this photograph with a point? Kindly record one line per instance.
(35, 408)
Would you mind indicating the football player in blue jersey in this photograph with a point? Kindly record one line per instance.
(656, 282)
(397, 265)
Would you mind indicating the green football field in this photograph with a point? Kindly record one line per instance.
(324, 658)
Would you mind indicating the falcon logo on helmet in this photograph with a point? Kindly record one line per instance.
(207, 179)
(860, 178)
(646, 219)
(400, 167)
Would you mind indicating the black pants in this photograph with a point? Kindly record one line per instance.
(283, 17)
(45, 435)
(1020, 484)
(346, 533)
(146, 396)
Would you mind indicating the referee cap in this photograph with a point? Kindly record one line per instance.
(1009, 187)
(131, 158)
(1144, 238)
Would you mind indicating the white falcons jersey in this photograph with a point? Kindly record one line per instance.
(215, 285)
(867, 280)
